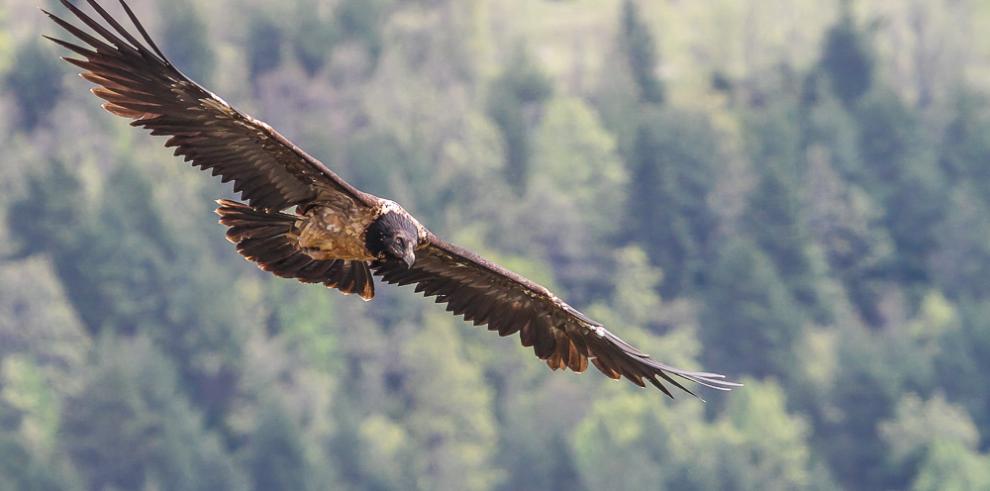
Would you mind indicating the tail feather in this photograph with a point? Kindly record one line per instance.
(268, 239)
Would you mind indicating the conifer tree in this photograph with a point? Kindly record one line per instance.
(514, 96)
(672, 173)
(315, 38)
(745, 295)
(774, 217)
(129, 426)
(641, 54)
(264, 45)
(35, 82)
(186, 40)
(277, 458)
(847, 58)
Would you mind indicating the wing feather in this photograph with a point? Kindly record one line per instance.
(141, 84)
(487, 294)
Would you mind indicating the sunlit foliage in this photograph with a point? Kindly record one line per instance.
(793, 192)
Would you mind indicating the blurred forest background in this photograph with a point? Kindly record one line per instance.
(795, 193)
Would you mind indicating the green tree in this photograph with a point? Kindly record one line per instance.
(47, 219)
(29, 424)
(576, 177)
(534, 446)
(769, 447)
(847, 58)
(745, 295)
(315, 37)
(774, 216)
(873, 372)
(22, 470)
(540, 415)
(627, 442)
(964, 353)
(918, 430)
(915, 210)
(129, 426)
(773, 220)
(574, 156)
(264, 45)
(966, 142)
(362, 20)
(447, 412)
(906, 176)
(372, 154)
(641, 54)
(513, 99)
(384, 445)
(847, 224)
(950, 466)
(118, 272)
(118, 265)
(28, 403)
(673, 168)
(185, 39)
(888, 135)
(205, 329)
(35, 82)
(277, 459)
(960, 262)
(827, 124)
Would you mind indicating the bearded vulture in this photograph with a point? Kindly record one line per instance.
(300, 220)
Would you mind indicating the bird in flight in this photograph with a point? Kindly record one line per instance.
(300, 220)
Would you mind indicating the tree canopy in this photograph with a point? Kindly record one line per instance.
(793, 193)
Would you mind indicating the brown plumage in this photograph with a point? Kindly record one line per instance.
(270, 239)
(335, 234)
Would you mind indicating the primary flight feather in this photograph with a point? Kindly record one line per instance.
(336, 234)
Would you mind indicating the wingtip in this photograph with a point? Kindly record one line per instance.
(722, 385)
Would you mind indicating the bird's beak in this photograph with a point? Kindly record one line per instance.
(409, 259)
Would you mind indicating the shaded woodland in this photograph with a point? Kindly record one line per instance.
(795, 193)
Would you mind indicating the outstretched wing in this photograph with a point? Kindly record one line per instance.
(488, 294)
(138, 82)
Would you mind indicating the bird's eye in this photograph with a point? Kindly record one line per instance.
(400, 242)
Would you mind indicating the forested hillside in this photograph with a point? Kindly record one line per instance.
(795, 193)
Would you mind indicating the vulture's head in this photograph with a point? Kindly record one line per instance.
(393, 235)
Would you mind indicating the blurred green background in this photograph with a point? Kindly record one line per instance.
(792, 192)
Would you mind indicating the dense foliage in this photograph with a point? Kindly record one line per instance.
(800, 201)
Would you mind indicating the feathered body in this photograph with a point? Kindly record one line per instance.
(330, 233)
(324, 242)
(348, 232)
